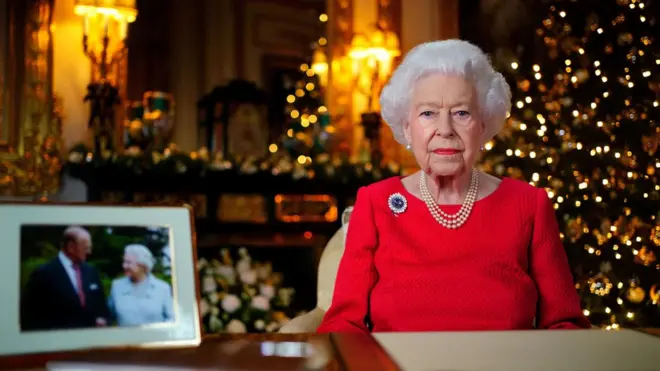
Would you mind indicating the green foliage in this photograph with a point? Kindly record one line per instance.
(27, 267)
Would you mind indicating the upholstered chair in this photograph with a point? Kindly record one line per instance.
(327, 273)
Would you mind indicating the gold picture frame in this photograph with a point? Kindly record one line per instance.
(30, 116)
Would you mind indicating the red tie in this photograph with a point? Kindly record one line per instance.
(80, 290)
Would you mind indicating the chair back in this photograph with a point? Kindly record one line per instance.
(329, 264)
(345, 217)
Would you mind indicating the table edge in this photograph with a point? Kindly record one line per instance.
(362, 352)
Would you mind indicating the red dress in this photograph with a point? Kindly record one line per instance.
(503, 269)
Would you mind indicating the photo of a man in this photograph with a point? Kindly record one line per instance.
(66, 292)
(75, 277)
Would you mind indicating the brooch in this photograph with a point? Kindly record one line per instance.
(397, 203)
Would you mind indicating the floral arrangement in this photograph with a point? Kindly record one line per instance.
(242, 295)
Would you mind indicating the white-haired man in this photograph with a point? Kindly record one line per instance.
(66, 292)
(139, 298)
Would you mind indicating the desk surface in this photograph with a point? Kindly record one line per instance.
(569, 350)
(450, 351)
(336, 352)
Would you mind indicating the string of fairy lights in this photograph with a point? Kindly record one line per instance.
(566, 134)
(310, 118)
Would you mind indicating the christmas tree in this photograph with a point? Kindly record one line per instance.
(308, 131)
(584, 126)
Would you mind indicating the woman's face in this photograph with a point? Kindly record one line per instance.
(132, 268)
(444, 127)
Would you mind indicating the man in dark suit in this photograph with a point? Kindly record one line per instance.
(66, 292)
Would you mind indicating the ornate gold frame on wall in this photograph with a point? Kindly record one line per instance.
(30, 116)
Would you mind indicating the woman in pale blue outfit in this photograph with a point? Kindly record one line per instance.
(139, 298)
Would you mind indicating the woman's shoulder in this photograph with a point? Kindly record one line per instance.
(519, 186)
(523, 187)
(382, 187)
(373, 193)
(521, 193)
(119, 282)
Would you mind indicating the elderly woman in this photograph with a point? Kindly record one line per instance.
(139, 298)
(450, 248)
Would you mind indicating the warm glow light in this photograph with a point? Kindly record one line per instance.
(320, 66)
(105, 29)
(120, 10)
(372, 55)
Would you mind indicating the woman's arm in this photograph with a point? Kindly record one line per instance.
(356, 274)
(559, 303)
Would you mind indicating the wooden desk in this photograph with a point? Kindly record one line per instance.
(336, 352)
(554, 350)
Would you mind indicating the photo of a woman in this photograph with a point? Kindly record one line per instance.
(140, 298)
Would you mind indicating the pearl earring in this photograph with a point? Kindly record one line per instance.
(408, 147)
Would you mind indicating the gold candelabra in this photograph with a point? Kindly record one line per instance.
(103, 63)
(105, 29)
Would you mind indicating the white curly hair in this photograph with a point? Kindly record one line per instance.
(456, 57)
(142, 254)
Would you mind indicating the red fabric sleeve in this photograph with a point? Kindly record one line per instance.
(356, 274)
(559, 303)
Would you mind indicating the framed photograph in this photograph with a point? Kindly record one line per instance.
(83, 276)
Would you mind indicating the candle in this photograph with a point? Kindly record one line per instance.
(85, 25)
(105, 26)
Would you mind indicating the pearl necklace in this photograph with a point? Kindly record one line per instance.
(451, 221)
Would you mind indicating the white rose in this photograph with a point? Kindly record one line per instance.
(227, 272)
(230, 303)
(249, 277)
(201, 264)
(260, 302)
(204, 307)
(243, 265)
(236, 327)
(259, 324)
(209, 285)
(267, 290)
